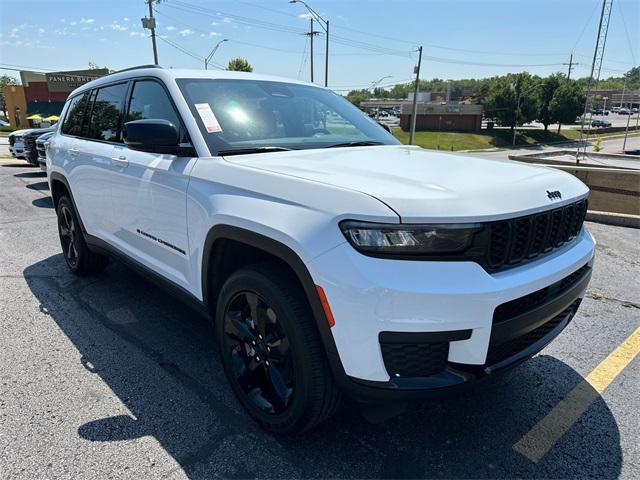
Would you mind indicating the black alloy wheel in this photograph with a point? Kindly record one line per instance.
(260, 353)
(271, 351)
(68, 236)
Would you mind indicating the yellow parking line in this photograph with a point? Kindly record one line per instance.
(544, 435)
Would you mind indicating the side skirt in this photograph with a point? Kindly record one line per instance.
(98, 245)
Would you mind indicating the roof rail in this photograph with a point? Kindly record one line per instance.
(153, 65)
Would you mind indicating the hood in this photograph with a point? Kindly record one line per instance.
(44, 137)
(37, 131)
(422, 185)
(20, 132)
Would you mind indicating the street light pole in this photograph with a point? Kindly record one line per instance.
(517, 111)
(325, 26)
(213, 51)
(414, 109)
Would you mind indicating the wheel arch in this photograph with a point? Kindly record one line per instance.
(59, 186)
(213, 254)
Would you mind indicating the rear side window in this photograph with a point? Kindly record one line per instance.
(105, 114)
(72, 124)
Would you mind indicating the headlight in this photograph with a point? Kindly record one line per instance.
(409, 239)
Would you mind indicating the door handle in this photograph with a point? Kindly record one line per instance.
(73, 151)
(120, 161)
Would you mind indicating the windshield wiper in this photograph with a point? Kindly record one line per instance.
(247, 151)
(358, 143)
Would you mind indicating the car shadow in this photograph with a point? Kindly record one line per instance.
(18, 165)
(40, 186)
(159, 359)
(43, 202)
(37, 174)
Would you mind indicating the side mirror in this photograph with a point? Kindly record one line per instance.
(152, 135)
(385, 126)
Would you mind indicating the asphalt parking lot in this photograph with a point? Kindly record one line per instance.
(107, 376)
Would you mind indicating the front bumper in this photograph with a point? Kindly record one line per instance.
(370, 297)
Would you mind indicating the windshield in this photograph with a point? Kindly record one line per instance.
(253, 115)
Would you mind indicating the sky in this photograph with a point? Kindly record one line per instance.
(370, 40)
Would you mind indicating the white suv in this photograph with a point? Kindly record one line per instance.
(333, 259)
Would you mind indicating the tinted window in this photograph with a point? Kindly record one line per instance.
(73, 121)
(149, 100)
(245, 114)
(105, 114)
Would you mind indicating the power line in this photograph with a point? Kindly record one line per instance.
(182, 49)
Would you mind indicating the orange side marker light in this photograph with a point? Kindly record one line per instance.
(325, 306)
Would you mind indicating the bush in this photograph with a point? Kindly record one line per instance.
(7, 128)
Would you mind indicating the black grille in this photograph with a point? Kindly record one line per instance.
(514, 241)
(503, 351)
(533, 300)
(42, 152)
(414, 360)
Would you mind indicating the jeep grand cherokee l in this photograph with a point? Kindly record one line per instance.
(332, 259)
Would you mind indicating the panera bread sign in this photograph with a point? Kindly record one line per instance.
(69, 81)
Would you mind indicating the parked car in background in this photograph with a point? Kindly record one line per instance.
(615, 109)
(4, 123)
(42, 143)
(600, 111)
(16, 145)
(29, 140)
(624, 111)
(600, 123)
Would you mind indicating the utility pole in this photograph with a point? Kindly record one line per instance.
(626, 132)
(212, 53)
(311, 34)
(324, 24)
(150, 23)
(414, 109)
(568, 80)
(326, 55)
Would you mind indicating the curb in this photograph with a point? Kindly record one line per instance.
(615, 219)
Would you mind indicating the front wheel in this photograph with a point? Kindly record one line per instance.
(79, 258)
(271, 351)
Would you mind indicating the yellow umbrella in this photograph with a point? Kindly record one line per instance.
(53, 118)
(34, 117)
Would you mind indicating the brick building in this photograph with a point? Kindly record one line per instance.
(43, 94)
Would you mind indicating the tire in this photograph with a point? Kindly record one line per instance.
(77, 255)
(290, 389)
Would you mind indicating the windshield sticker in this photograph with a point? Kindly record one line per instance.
(208, 118)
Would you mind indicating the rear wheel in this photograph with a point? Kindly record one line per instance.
(271, 351)
(79, 258)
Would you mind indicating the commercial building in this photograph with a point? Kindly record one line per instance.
(42, 95)
(442, 116)
(616, 98)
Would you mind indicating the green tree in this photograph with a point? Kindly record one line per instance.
(502, 96)
(5, 81)
(567, 103)
(545, 93)
(239, 64)
(357, 96)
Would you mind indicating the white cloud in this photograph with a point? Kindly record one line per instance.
(305, 16)
(171, 28)
(73, 23)
(87, 20)
(119, 28)
(214, 24)
(227, 20)
(126, 19)
(137, 34)
(186, 32)
(213, 34)
(41, 30)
